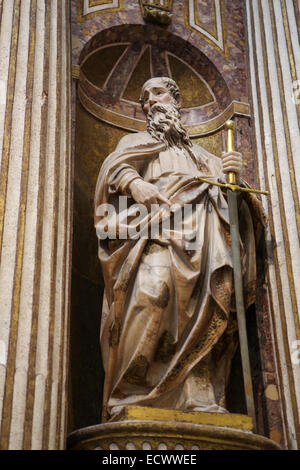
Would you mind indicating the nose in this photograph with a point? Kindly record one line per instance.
(152, 99)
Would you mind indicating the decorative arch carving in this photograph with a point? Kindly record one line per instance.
(127, 46)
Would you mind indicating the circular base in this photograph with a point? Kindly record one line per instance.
(162, 435)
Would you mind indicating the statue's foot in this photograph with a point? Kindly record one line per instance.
(115, 412)
(213, 408)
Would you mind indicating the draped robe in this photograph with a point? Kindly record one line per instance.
(168, 328)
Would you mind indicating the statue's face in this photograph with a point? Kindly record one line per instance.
(155, 92)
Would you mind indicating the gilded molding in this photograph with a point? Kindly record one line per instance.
(216, 38)
(104, 6)
(131, 124)
(212, 125)
(189, 435)
(146, 413)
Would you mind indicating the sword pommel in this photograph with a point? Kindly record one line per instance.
(230, 128)
(230, 125)
(231, 177)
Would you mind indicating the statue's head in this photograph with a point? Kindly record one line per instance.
(160, 100)
(159, 89)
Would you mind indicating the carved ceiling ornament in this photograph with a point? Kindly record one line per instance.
(157, 11)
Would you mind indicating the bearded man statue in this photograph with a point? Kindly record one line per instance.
(168, 329)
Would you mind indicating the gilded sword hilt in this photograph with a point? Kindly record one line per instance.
(230, 128)
(231, 176)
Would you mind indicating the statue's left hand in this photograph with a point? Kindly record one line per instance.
(232, 161)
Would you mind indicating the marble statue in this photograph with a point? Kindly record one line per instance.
(169, 329)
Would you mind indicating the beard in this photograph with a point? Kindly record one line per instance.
(164, 124)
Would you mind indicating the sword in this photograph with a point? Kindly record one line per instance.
(232, 192)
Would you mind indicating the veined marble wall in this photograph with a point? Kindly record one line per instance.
(36, 190)
(217, 31)
(35, 214)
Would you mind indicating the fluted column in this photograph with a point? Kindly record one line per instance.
(275, 82)
(35, 196)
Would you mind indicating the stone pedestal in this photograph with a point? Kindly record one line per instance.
(141, 428)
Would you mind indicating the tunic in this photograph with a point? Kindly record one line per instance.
(168, 329)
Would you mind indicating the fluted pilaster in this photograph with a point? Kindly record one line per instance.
(275, 74)
(35, 195)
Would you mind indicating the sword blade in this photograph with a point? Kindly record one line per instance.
(239, 299)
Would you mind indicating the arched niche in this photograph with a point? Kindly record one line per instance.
(113, 66)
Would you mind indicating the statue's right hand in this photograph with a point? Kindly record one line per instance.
(146, 193)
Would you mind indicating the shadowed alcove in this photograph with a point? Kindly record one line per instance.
(114, 64)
